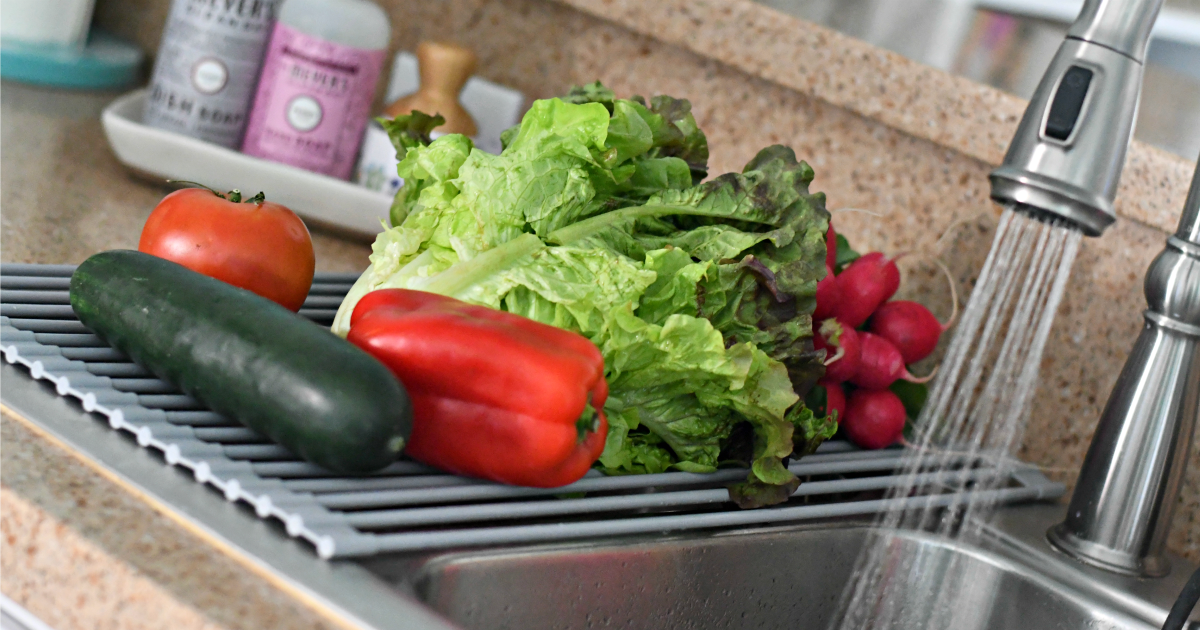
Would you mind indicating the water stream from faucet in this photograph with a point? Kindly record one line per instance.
(976, 411)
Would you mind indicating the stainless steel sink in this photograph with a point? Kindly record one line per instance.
(756, 580)
(777, 578)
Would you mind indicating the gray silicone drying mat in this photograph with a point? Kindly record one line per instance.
(408, 506)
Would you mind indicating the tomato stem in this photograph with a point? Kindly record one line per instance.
(234, 195)
(196, 184)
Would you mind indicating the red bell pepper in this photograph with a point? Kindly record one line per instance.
(495, 395)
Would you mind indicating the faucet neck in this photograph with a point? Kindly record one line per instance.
(1122, 25)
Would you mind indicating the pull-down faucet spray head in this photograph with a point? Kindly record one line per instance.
(1066, 158)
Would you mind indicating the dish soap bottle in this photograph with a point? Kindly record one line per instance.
(208, 61)
(444, 70)
(318, 81)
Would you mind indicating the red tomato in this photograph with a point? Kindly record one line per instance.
(257, 245)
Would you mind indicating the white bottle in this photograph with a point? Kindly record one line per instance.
(207, 68)
(318, 80)
(54, 22)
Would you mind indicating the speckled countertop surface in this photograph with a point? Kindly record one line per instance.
(64, 196)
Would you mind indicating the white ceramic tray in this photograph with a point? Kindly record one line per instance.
(343, 206)
(330, 202)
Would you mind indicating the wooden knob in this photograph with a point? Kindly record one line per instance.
(445, 69)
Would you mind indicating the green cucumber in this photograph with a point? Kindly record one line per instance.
(248, 358)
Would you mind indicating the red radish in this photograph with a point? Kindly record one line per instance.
(864, 285)
(880, 364)
(831, 247)
(842, 350)
(909, 326)
(827, 296)
(834, 402)
(835, 399)
(874, 418)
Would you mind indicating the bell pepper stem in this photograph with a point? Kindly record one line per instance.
(588, 422)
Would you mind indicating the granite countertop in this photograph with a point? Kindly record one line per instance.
(64, 196)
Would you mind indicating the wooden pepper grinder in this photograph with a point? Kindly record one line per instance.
(444, 69)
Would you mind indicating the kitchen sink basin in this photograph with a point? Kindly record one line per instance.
(781, 578)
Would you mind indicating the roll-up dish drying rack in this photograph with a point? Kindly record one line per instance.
(410, 507)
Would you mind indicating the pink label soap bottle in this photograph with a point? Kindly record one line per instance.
(318, 81)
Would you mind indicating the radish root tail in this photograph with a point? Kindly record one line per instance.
(953, 294)
(841, 352)
(953, 227)
(949, 280)
(920, 379)
(874, 214)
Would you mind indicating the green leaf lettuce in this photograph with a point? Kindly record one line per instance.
(593, 219)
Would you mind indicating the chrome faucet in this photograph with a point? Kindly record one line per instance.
(1064, 163)
(1127, 489)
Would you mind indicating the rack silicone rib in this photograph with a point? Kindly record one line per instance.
(409, 506)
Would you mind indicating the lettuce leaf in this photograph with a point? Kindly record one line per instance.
(408, 132)
(760, 233)
(675, 132)
(411, 130)
(594, 219)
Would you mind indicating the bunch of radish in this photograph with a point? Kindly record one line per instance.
(869, 341)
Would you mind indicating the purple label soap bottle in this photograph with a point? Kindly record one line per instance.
(318, 81)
